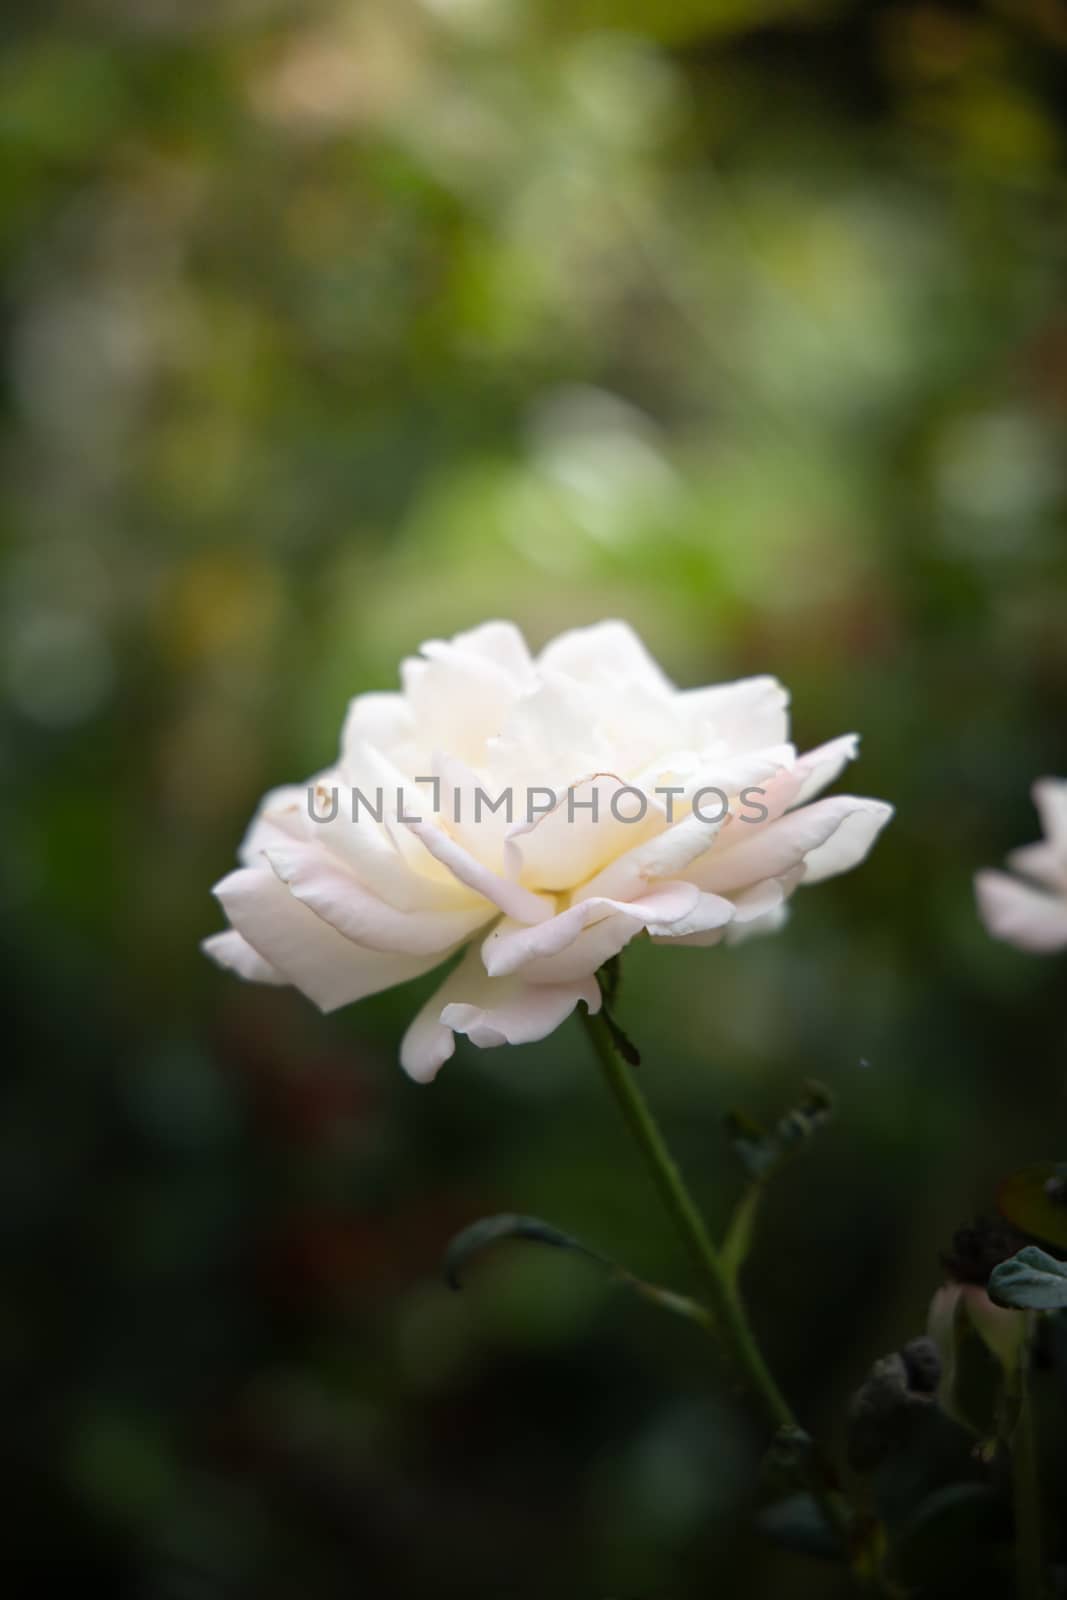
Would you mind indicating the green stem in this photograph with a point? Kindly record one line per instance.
(731, 1323)
(728, 1322)
(1029, 1562)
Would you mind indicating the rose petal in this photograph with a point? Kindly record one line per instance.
(332, 891)
(510, 897)
(490, 1011)
(236, 955)
(746, 715)
(608, 653)
(307, 952)
(568, 844)
(512, 947)
(827, 837)
(819, 767)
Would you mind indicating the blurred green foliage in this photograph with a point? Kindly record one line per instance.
(331, 327)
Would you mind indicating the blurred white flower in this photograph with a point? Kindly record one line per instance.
(350, 905)
(1031, 911)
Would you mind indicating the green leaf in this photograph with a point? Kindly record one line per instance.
(507, 1225)
(1030, 1281)
(480, 1235)
(1035, 1200)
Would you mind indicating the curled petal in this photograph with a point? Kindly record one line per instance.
(508, 896)
(328, 888)
(608, 653)
(512, 947)
(572, 841)
(667, 856)
(818, 768)
(490, 1011)
(229, 950)
(305, 950)
(825, 838)
(747, 715)
(282, 816)
(498, 642)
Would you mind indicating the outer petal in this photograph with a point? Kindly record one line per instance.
(499, 642)
(819, 767)
(850, 842)
(758, 910)
(304, 950)
(460, 698)
(490, 1011)
(375, 854)
(229, 950)
(383, 720)
(667, 856)
(828, 837)
(513, 947)
(282, 815)
(324, 884)
(606, 653)
(741, 716)
(1020, 914)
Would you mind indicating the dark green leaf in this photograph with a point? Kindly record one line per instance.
(532, 1230)
(507, 1225)
(1030, 1281)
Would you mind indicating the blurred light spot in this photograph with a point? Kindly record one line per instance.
(58, 669)
(221, 603)
(79, 364)
(628, 92)
(359, 70)
(492, 19)
(996, 471)
(603, 455)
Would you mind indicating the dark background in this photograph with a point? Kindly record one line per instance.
(332, 327)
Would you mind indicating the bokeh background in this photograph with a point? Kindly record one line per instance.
(331, 327)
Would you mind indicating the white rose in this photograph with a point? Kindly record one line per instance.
(1032, 915)
(343, 908)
